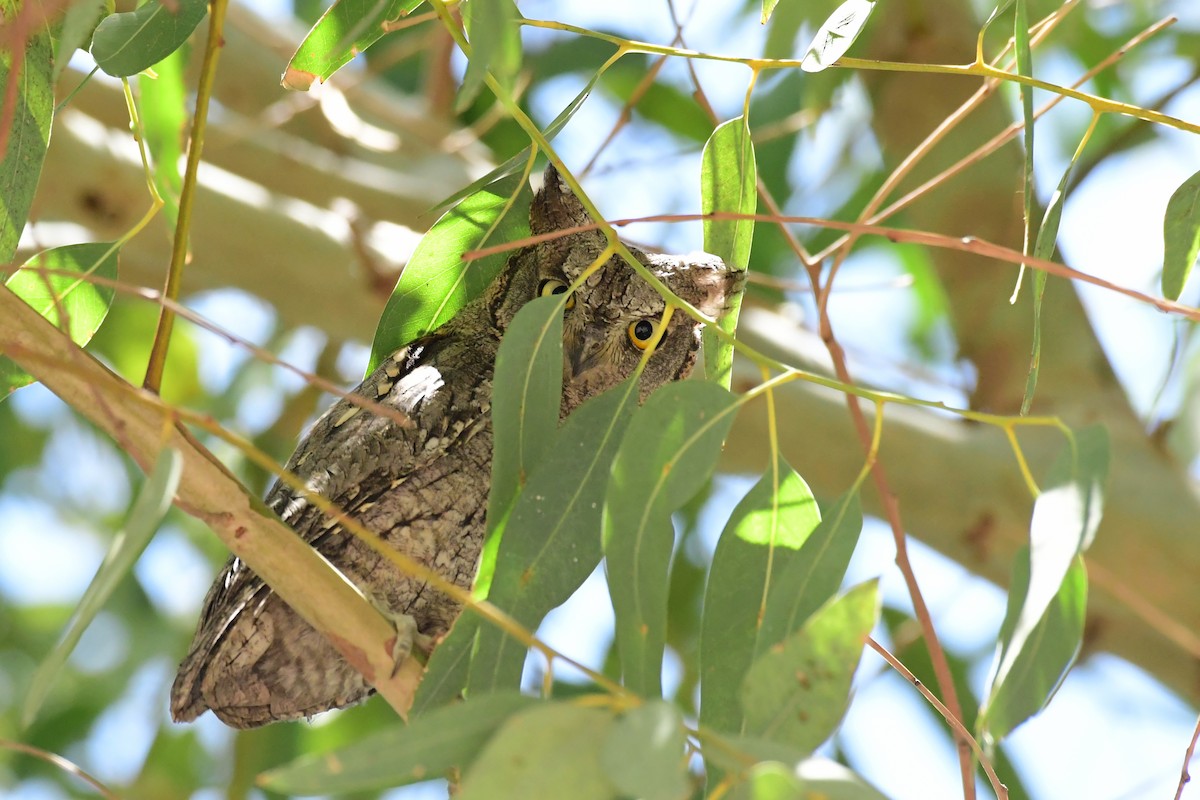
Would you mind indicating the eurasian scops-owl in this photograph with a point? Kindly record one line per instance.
(424, 488)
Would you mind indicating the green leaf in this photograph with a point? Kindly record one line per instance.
(737, 754)
(68, 289)
(550, 751)
(78, 24)
(28, 134)
(437, 282)
(147, 512)
(1065, 518)
(526, 395)
(813, 575)
(813, 779)
(836, 35)
(346, 29)
(127, 43)
(428, 747)
(762, 538)
(797, 692)
(665, 458)
(1048, 652)
(768, 8)
(163, 106)
(769, 780)
(644, 755)
(448, 667)
(729, 183)
(1044, 249)
(552, 539)
(495, 47)
(1181, 236)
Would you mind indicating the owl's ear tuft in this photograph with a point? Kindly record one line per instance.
(555, 207)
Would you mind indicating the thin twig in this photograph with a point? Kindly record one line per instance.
(1185, 775)
(63, 763)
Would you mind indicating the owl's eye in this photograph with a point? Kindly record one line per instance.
(641, 332)
(550, 286)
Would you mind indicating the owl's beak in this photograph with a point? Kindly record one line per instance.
(585, 355)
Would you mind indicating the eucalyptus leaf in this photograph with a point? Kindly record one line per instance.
(552, 538)
(797, 691)
(430, 746)
(644, 754)
(29, 132)
(67, 291)
(547, 752)
(1065, 518)
(762, 538)
(1181, 236)
(124, 44)
(667, 455)
(437, 282)
(495, 47)
(813, 575)
(728, 183)
(1041, 664)
(347, 28)
(836, 34)
(526, 395)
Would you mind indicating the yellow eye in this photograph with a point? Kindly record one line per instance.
(642, 332)
(550, 286)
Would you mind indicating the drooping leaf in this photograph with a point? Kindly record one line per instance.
(28, 131)
(526, 395)
(768, 780)
(1181, 236)
(549, 751)
(448, 667)
(644, 755)
(78, 23)
(1044, 249)
(836, 35)
(429, 746)
(66, 290)
(125, 44)
(552, 538)
(768, 8)
(437, 282)
(1047, 653)
(729, 183)
(347, 28)
(814, 575)
(797, 691)
(147, 512)
(1065, 518)
(163, 105)
(495, 46)
(812, 779)
(763, 537)
(666, 456)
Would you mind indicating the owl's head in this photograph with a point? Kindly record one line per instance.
(614, 316)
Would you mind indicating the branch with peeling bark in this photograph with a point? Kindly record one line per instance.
(142, 426)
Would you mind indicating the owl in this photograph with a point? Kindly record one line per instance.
(423, 488)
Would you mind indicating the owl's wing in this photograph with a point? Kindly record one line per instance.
(440, 384)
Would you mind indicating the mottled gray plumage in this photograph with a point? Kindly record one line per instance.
(423, 488)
